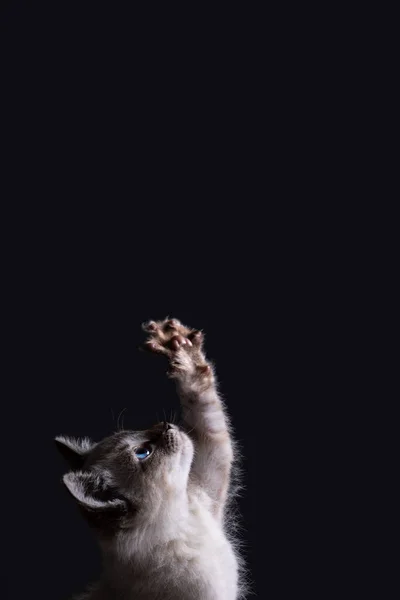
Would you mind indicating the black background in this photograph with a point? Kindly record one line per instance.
(158, 169)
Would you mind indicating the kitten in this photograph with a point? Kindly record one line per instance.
(157, 499)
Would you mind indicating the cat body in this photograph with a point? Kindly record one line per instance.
(198, 562)
(157, 499)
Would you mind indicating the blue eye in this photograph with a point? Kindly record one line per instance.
(142, 453)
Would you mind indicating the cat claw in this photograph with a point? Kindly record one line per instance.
(150, 326)
(178, 340)
(154, 347)
(172, 324)
(197, 338)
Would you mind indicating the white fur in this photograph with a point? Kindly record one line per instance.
(183, 552)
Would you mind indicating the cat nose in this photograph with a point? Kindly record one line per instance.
(167, 426)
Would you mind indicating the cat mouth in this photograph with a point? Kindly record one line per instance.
(171, 440)
(163, 427)
(168, 436)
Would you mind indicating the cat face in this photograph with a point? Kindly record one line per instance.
(127, 474)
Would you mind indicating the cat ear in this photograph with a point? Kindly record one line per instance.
(74, 450)
(95, 497)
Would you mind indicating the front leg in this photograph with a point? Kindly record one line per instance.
(203, 410)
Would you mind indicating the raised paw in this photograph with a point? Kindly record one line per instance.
(182, 345)
(169, 335)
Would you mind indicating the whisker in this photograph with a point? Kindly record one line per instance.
(123, 416)
(119, 416)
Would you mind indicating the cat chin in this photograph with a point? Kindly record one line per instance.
(175, 441)
(179, 450)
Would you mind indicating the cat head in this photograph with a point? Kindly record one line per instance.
(128, 474)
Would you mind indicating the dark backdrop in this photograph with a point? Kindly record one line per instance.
(161, 171)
